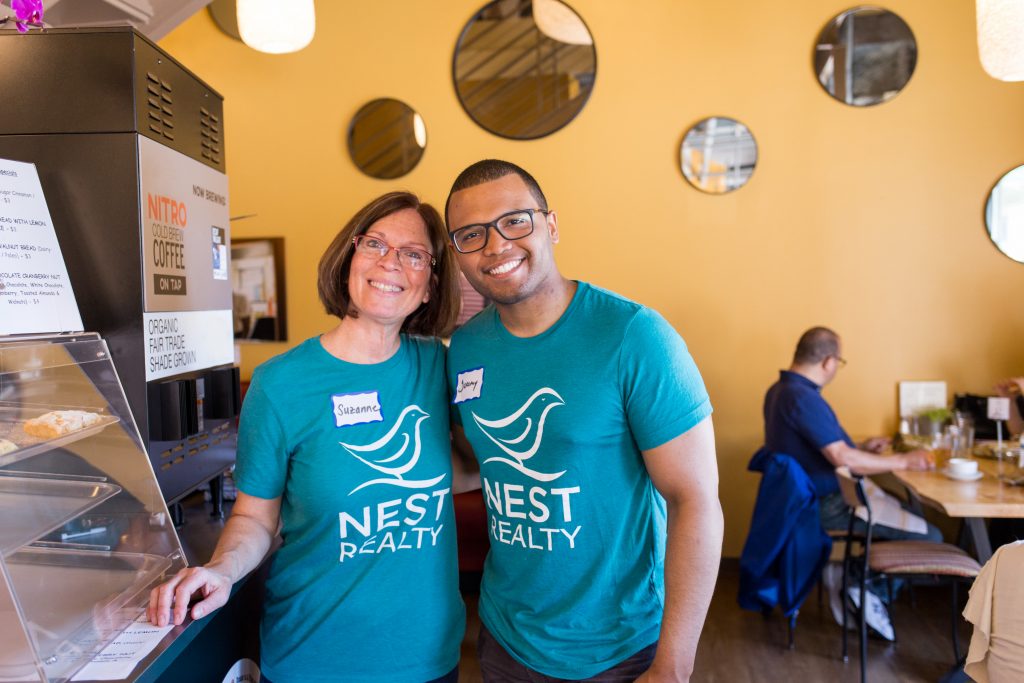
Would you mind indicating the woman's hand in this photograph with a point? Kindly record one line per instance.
(214, 587)
(1014, 386)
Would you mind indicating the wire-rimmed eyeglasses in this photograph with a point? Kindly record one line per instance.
(409, 257)
(514, 225)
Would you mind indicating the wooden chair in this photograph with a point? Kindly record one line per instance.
(896, 558)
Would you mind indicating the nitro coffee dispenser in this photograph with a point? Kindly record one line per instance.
(129, 146)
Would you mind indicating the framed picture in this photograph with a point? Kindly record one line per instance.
(257, 285)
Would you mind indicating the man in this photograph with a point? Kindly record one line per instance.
(581, 408)
(800, 423)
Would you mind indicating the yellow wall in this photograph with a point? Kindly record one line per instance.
(867, 220)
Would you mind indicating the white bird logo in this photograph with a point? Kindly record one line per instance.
(515, 432)
(394, 444)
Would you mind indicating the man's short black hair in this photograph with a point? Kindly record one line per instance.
(492, 169)
(815, 345)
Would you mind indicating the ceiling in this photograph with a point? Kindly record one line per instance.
(154, 18)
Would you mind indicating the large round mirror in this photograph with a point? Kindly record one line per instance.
(718, 155)
(1004, 214)
(524, 68)
(865, 56)
(386, 138)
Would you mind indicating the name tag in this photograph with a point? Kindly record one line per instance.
(354, 409)
(469, 385)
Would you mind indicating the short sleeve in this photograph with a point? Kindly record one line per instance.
(663, 391)
(814, 420)
(262, 465)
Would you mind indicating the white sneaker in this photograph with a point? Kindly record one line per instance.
(832, 578)
(874, 613)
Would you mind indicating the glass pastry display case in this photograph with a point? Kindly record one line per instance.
(84, 530)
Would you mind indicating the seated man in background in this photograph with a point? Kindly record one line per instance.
(800, 423)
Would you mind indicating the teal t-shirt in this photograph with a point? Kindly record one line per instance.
(365, 584)
(574, 581)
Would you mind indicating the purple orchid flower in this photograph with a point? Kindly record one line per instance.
(27, 12)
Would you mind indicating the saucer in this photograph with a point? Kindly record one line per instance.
(974, 476)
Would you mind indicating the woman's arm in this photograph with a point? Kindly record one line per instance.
(243, 544)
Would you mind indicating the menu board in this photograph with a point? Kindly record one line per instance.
(35, 292)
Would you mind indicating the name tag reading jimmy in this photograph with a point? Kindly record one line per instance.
(998, 408)
(354, 409)
(468, 385)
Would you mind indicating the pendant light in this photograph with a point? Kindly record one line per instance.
(1001, 38)
(276, 27)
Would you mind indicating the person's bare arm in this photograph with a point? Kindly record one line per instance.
(685, 472)
(839, 453)
(243, 543)
(465, 471)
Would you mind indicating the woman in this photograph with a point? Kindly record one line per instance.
(344, 441)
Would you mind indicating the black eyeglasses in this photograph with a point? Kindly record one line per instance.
(409, 257)
(514, 225)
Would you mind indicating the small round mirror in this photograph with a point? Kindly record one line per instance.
(718, 155)
(524, 68)
(865, 56)
(1004, 214)
(386, 138)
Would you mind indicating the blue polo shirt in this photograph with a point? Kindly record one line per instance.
(799, 422)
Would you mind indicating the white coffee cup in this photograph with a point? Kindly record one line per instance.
(962, 467)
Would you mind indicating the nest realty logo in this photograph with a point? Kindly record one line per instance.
(538, 517)
(390, 454)
(410, 523)
(520, 434)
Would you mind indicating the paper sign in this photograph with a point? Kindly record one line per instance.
(998, 408)
(178, 342)
(35, 292)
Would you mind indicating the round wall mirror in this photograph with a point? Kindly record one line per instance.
(865, 56)
(718, 155)
(1004, 214)
(386, 138)
(524, 68)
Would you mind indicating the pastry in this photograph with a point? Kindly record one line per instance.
(7, 446)
(60, 422)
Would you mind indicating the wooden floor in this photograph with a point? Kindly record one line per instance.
(743, 647)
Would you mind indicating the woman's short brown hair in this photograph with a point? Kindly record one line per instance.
(434, 318)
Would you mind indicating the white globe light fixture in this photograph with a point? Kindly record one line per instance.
(276, 27)
(1001, 38)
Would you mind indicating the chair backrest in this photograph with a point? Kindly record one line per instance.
(851, 488)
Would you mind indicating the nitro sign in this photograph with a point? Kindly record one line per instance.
(168, 218)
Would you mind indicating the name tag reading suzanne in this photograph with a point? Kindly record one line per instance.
(469, 385)
(354, 409)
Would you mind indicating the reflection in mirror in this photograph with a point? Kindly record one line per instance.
(1004, 214)
(386, 138)
(257, 287)
(524, 69)
(718, 155)
(865, 56)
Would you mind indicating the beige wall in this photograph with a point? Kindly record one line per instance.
(867, 220)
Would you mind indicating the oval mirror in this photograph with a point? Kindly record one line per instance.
(1004, 214)
(386, 138)
(524, 68)
(718, 155)
(865, 56)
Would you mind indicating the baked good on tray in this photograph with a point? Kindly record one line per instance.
(7, 446)
(60, 422)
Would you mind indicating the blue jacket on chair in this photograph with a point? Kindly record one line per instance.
(786, 547)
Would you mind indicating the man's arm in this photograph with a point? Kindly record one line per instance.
(839, 453)
(685, 472)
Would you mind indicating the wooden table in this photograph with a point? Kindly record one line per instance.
(973, 501)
